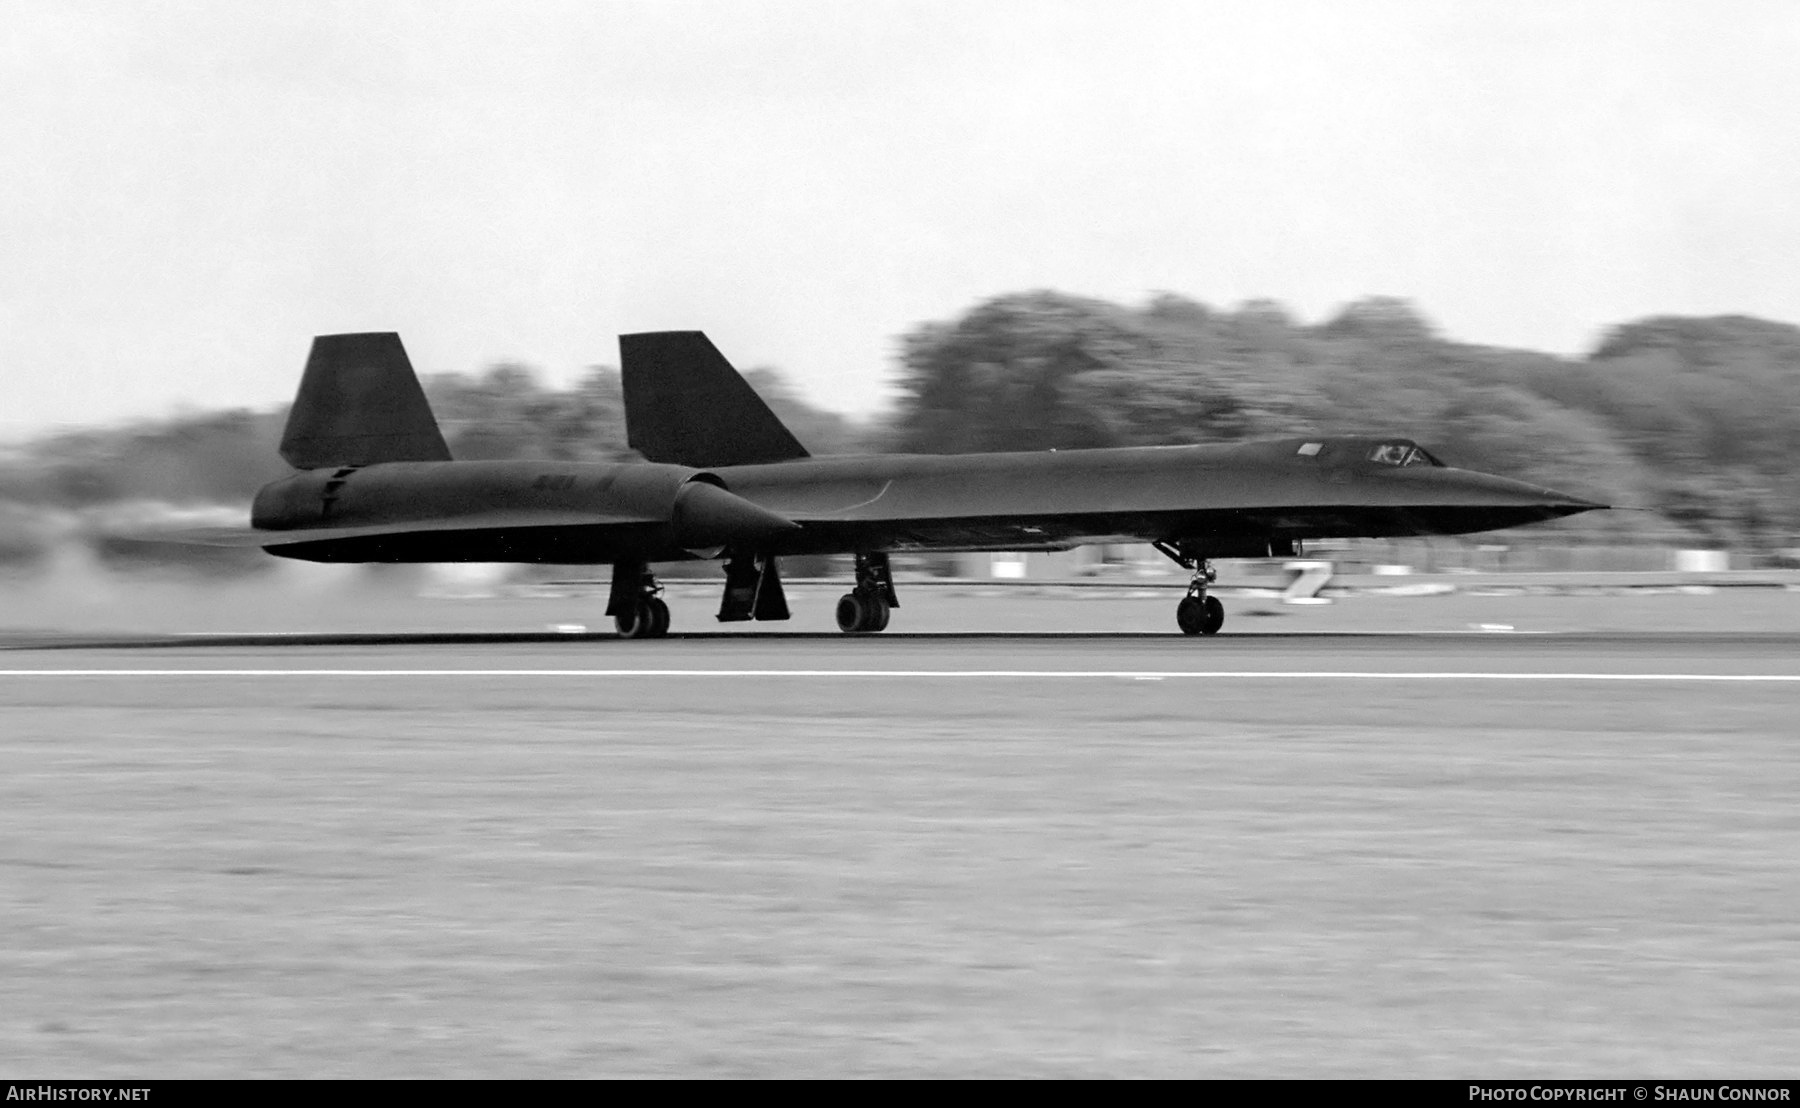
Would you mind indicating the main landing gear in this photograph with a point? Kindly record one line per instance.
(635, 603)
(864, 609)
(1198, 613)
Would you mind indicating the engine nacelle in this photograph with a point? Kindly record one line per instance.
(694, 505)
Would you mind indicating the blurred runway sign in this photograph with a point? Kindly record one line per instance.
(1309, 578)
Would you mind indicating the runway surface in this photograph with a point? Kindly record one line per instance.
(564, 855)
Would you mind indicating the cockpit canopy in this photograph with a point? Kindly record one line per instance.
(1384, 452)
(1400, 454)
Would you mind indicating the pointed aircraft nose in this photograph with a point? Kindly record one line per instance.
(1461, 501)
(706, 515)
(1446, 501)
(1504, 492)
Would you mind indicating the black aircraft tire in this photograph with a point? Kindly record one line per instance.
(1200, 617)
(1212, 617)
(875, 613)
(1188, 615)
(850, 613)
(633, 622)
(659, 617)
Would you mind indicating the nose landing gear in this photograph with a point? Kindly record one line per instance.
(1198, 613)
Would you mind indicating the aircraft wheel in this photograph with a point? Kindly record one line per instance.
(862, 613)
(1200, 617)
(850, 613)
(637, 621)
(659, 617)
(1187, 615)
(1212, 617)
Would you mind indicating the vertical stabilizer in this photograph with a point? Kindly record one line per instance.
(686, 405)
(360, 403)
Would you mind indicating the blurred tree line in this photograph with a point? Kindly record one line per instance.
(1694, 419)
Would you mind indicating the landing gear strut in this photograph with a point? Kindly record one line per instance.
(752, 589)
(1198, 613)
(635, 602)
(864, 609)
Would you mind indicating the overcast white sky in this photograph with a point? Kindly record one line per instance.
(192, 190)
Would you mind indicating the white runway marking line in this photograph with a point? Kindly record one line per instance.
(959, 674)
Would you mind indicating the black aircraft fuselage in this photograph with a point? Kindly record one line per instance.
(724, 479)
(1256, 499)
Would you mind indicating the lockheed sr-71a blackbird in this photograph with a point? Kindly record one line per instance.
(724, 479)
